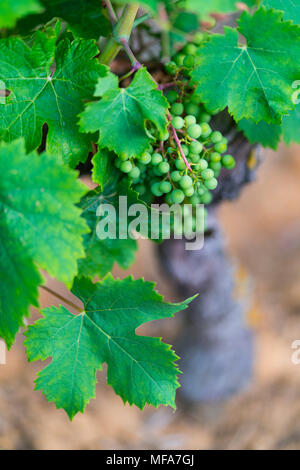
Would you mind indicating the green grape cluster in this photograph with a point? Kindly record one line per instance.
(182, 166)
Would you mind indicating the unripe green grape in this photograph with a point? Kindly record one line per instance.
(207, 198)
(156, 171)
(179, 163)
(190, 49)
(228, 162)
(190, 120)
(185, 150)
(177, 196)
(172, 96)
(189, 61)
(175, 176)
(191, 108)
(123, 157)
(215, 166)
(185, 182)
(196, 147)
(206, 129)
(216, 137)
(177, 109)
(198, 38)
(178, 59)
(215, 157)
(203, 164)
(205, 117)
(195, 199)
(171, 68)
(165, 187)
(194, 131)
(221, 147)
(178, 122)
(140, 188)
(194, 157)
(155, 189)
(156, 159)
(145, 158)
(207, 174)
(164, 137)
(134, 173)
(202, 190)
(189, 191)
(211, 183)
(164, 167)
(126, 167)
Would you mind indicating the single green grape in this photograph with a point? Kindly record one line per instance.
(179, 163)
(134, 173)
(185, 182)
(198, 38)
(205, 117)
(123, 157)
(195, 98)
(126, 167)
(155, 189)
(189, 61)
(145, 158)
(228, 162)
(194, 157)
(164, 167)
(190, 49)
(216, 137)
(211, 183)
(215, 166)
(178, 122)
(207, 174)
(175, 176)
(178, 59)
(221, 147)
(194, 131)
(156, 159)
(185, 149)
(215, 157)
(177, 109)
(140, 188)
(177, 196)
(195, 199)
(207, 198)
(202, 165)
(190, 120)
(164, 137)
(189, 191)
(192, 109)
(171, 68)
(196, 147)
(165, 187)
(206, 129)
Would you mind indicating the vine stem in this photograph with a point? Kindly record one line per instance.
(111, 12)
(63, 299)
(120, 35)
(178, 143)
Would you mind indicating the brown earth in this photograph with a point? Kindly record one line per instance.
(263, 232)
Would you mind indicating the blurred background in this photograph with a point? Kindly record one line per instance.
(262, 230)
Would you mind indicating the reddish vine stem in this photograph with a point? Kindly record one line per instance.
(178, 143)
(63, 299)
(111, 12)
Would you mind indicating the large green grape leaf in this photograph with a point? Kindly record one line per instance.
(254, 80)
(85, 17)
(291, 8)
(140, 369)
(102, 253)
(204, 7)
(12, 10)
(268, 135)
(39, 223)
(121, 114)
(47, 84)
(19, 280)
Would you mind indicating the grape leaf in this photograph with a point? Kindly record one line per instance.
(19, 280)
(140, 369)
(39, 95)
(216, 6)
(128, 109)
(291, 8)
(265, 67)
(39, 224)
(85, 17)
(101, 254)
(12, 10)
(268, 135)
